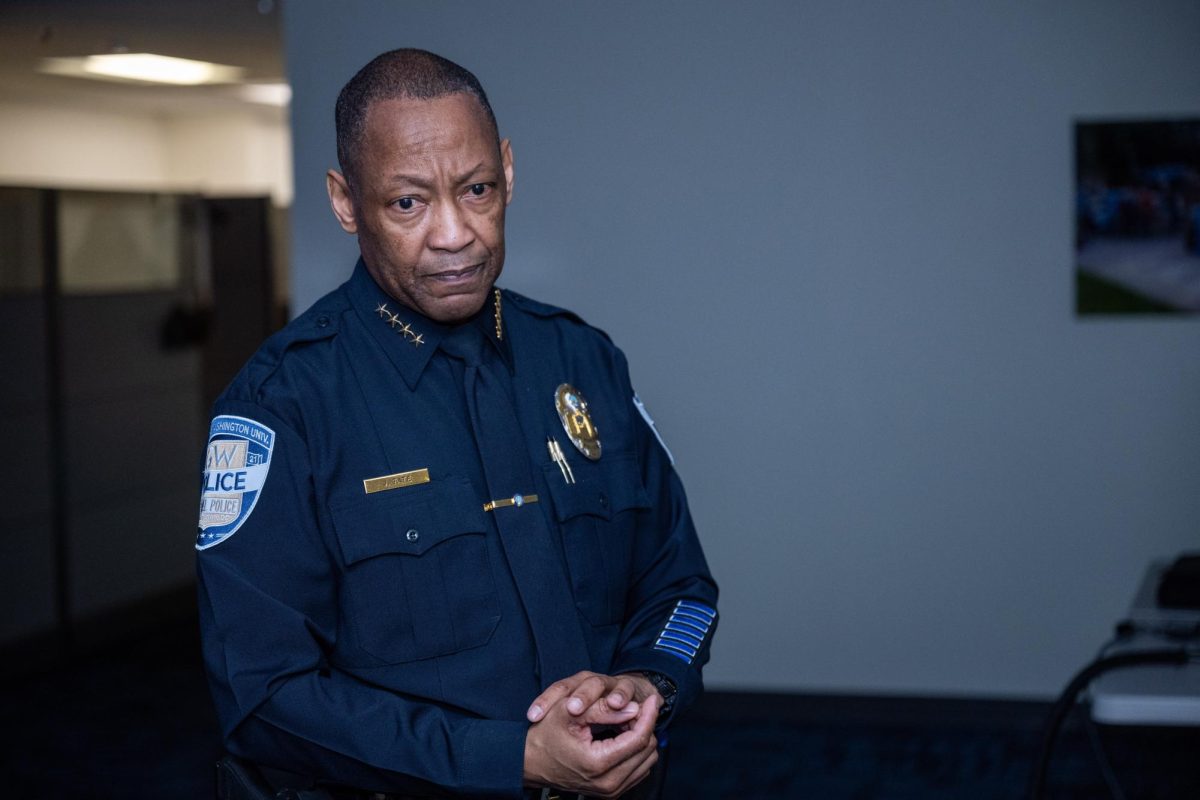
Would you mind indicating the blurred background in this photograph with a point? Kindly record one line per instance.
(143, 257)
(835, 240)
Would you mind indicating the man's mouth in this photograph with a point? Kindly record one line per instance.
(457, 275)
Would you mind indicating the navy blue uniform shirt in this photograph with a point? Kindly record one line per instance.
(379, 640)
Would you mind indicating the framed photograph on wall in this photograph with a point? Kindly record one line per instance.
(1137, 217)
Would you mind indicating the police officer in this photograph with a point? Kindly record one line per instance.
(442, 550)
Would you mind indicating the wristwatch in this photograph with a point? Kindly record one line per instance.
(666, 688)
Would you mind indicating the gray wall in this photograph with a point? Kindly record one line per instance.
(835, 241)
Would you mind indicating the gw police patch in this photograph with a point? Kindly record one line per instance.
(235, 469)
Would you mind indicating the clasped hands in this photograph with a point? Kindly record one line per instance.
(592, 734)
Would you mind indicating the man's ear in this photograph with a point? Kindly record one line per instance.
(506, 161)
(340, 200)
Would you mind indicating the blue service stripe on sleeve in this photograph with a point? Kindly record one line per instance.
(684, 630)
(682, 636)
(681, 643)
(686, 656)
(701, 621)
(684, 625)
(700, 613)
(694, 606)
(700, 618)
(681, 639)
(680, 656)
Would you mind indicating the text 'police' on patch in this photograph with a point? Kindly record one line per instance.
(235, 470)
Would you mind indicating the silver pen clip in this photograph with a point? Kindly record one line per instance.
(557, 456)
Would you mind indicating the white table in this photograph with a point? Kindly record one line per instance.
(1150, 695)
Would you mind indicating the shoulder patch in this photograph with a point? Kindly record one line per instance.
(641, 407)
(235, 470)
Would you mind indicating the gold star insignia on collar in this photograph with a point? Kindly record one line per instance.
(398, 325)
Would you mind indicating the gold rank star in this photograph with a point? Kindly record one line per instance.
(398, 325)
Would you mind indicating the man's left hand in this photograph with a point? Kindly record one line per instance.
(583, 690)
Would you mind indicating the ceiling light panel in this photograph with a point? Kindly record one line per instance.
(144, 68)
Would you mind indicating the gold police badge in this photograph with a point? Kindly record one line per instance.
(573, 411)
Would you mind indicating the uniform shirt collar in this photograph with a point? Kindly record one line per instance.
(408, 337)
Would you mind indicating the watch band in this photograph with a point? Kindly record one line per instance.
(666, 689)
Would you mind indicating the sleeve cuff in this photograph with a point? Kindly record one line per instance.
(493, 761)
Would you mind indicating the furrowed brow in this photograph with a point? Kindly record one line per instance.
(395, 181)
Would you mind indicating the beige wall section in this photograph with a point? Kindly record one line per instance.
(42, 145)
(233, 153)
(226, 152)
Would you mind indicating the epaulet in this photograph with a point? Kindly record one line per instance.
(547, 311)
(318, 323)
(537, 308)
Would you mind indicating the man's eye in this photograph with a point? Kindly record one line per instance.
(405, 203)
(478, 189)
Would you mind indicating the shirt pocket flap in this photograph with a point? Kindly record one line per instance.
(407, 521)
(601, 489)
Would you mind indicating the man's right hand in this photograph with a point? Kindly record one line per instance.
(561, 750)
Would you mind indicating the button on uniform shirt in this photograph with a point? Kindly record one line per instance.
(385, 639)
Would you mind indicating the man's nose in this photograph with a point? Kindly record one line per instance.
(450, 230)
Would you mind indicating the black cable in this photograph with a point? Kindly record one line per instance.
(1123, 632)
(1102, 760)
(1066, 701)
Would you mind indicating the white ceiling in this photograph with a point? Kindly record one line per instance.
(242, 33)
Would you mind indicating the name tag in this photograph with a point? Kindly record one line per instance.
(400, 479)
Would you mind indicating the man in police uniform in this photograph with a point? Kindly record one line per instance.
(442, 550)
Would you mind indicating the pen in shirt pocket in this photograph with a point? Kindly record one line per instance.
(558, 457)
